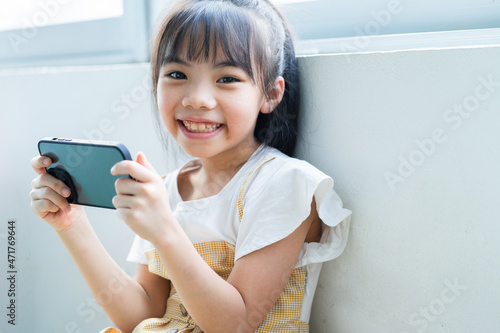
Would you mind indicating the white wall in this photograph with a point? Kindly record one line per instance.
(112, 103)
(423, 253)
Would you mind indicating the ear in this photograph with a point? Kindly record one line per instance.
(275, 96)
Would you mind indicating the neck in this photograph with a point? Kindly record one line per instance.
(225, 165)
(215, 172)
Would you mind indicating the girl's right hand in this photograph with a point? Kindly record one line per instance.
(48, 197)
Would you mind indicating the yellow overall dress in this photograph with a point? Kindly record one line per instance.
(219, 255)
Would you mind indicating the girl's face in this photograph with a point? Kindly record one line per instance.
(209, 107)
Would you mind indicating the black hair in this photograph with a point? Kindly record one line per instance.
(236, 28)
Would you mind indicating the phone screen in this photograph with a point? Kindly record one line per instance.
(86, 166)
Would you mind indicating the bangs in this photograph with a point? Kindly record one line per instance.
(200, 30)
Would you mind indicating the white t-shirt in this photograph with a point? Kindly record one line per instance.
(277, 200)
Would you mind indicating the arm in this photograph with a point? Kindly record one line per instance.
(125, 300)
(236, 305)
(240, 303)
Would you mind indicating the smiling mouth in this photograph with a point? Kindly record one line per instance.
(200, 127)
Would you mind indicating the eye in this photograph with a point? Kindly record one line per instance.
(228, 79)
(177, 75)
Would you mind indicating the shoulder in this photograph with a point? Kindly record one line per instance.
(282, 172)
(280, 198)
(282, 187)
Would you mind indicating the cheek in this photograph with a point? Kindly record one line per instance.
(243, 120)
(247, 109)
(161, 96)
(165, 100)
(166, 109)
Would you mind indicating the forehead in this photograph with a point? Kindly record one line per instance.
(214, 31)
(215, 54)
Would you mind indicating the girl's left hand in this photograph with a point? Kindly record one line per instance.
(142, 202)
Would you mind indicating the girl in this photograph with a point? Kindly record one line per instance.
(234, 240)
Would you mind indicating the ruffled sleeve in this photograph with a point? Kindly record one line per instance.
(276, 204)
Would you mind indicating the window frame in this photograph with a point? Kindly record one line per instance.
(80, 43)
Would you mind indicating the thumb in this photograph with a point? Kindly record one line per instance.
(142, 160)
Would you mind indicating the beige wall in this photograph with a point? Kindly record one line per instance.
(412, 140)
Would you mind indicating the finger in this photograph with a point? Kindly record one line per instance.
(39, 163)
(125, 213)
(121, 201)
(127, 186)
(46, 180)
(133, 169)
(44, 206)
(46, 193)
(142, 160)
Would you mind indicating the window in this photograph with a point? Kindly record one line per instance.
(32, 13)
(320, 19)
(352, 26)
(72, 32)
(83, 32)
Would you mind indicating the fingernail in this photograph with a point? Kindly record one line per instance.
(67, 209)
(65, 191)
(112, 170)
(46, 161)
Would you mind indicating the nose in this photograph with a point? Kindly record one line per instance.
(199, 96)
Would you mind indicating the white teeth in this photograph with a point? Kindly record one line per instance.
(200, 127)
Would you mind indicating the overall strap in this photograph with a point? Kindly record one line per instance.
(241, 195)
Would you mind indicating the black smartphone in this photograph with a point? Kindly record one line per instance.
(84, 166)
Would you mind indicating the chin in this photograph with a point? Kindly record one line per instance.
(199, 151)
